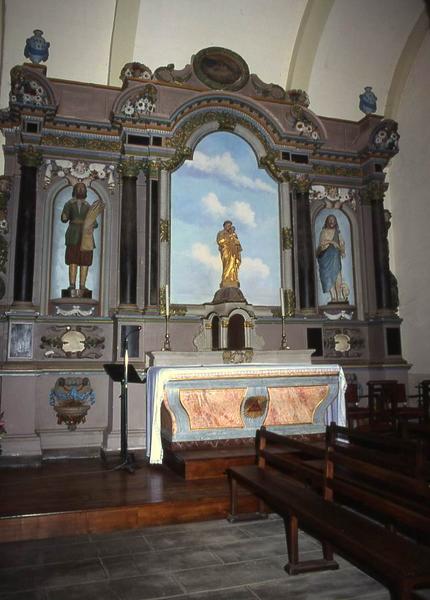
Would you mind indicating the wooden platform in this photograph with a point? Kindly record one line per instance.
(205, 464)
(80, 496)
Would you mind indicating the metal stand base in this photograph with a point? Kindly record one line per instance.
(128, 464)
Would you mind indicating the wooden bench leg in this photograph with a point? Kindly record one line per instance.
(294, 565)
(234, 516)
(233, 496)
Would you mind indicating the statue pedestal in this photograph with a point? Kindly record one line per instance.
(76, 293)
(228, 294)
(73, 306)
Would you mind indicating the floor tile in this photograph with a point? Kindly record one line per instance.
(143, 588)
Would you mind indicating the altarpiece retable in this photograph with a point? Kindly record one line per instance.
(200, 203)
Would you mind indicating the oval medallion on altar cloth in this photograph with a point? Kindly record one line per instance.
(221, 69)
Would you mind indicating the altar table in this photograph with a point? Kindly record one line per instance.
(226, 402)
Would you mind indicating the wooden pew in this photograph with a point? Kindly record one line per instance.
(397, 501)
(396, 561)
(401, 455)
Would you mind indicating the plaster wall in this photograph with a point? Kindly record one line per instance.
(411, 215)
(242, 26)
(339, 74)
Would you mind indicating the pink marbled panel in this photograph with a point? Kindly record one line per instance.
(168, 418)
(212, 409)
(294, 405)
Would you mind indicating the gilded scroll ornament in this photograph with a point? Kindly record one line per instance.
(66, 141)
(338, 170)
(269, 163)
(290, 303)
(162, 296)
(164, 230)
(287, 238)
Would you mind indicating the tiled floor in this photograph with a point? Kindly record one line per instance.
(213, 560)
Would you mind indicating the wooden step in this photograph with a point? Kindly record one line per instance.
(208, 463)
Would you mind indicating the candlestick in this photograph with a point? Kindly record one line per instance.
(284, 343)
(281, 292)
(167, 301)
(166, 344)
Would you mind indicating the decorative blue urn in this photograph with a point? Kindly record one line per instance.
(368, 101)
(36, 47)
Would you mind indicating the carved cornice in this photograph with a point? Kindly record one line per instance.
(67, 141)
(30, 157)
(335, 170)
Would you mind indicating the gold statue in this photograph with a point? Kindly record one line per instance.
(82, 219)
(230, 251)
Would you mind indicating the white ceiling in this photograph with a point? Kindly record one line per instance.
(331, 48)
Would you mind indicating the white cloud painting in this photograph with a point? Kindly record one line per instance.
(223, 182)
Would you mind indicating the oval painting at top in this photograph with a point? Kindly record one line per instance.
(221, 69)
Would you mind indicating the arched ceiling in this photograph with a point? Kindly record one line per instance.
(331, 48)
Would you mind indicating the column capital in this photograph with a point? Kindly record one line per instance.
(30, 157)
(129, 167)
(301, 182)
(374, 192)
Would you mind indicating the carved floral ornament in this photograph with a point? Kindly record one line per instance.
(78, 171)
(25, 90)
(140, 105)
(385, 137)
(302, 124)
(334, 197)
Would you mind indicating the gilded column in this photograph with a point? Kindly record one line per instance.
(29, 159)
(305, 251)
(374, 196)
(128, 245)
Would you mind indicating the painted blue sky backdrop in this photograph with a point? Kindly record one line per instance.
(223, 182)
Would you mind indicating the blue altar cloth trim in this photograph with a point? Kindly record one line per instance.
(158, 377)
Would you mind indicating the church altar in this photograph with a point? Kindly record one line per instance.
(188, 405)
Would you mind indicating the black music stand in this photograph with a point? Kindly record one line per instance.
(117, 372)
